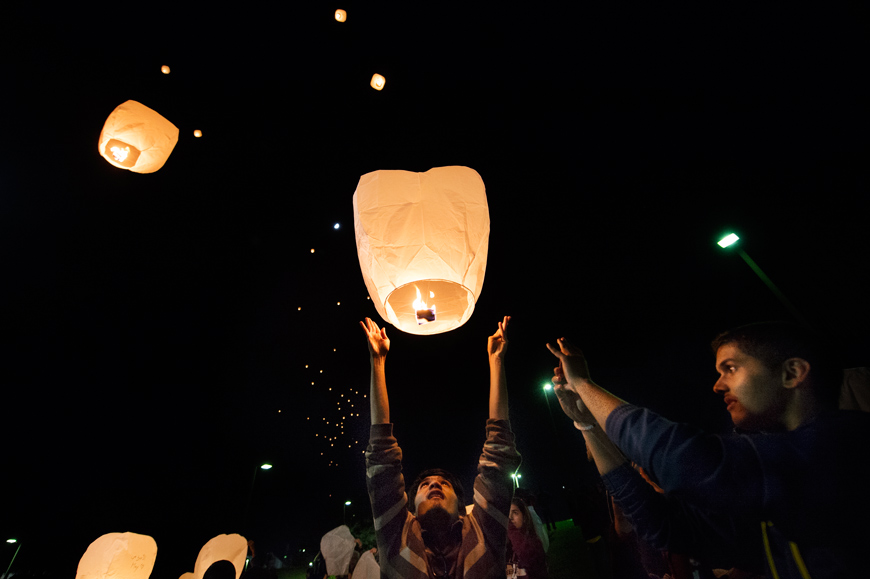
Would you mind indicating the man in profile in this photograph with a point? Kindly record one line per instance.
(425, 533)
(799, 472)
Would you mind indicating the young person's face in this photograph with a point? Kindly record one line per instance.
(516, 517)
(754, 394)
(436, 492)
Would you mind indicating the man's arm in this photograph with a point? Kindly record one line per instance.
(379, 346)
(497, 348)
(599, 401)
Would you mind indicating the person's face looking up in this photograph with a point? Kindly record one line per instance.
(753, 393)
(436, 492)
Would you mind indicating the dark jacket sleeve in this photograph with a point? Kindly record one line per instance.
(714, 473)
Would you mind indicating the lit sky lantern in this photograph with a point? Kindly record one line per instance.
(137, 138)
(422, 241)
(197, 133)
(164, 69)
(232, 548)
(341, 15)
(127, 555)
(378, 82)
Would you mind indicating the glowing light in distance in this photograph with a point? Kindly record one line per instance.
(347, 503)
(341, 15)
(336, 226)
(378, 82)
(164, 69)
(548, 386)
(265, 466)
(729, 239)
(197, 133)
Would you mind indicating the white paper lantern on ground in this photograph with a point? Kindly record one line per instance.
(127, 555)
(137, 138)
(426, 232)
(337, 547)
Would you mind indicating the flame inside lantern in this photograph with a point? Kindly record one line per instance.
(424, 313)
(119, 153)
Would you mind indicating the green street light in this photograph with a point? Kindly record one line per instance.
(344, 511)
(265, 466)
(548, 386)
(730, 240)
(6, 574)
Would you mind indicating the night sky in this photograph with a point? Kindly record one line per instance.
(164, 334)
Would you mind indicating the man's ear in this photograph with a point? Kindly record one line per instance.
(795, 371)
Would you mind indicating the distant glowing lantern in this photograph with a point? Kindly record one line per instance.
(378, 82)
(422, 234)
(127, 555)
(164, 69)
(197, 133)
(341, 15)
(137, 138)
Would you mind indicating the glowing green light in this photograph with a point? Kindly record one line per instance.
(729, 239)
(266, 466)
(347, 503)
(11, 540)
(548, 386)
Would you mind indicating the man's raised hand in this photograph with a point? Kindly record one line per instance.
(497, 343)
(379, 343)
(571, 403)
(572, 364)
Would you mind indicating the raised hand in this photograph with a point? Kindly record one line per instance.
(571, 403)
(379, 343)
(497, 343)
(572, 363)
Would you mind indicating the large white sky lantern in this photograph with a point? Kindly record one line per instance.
(117, 555)
(422, 240)
(137, 138)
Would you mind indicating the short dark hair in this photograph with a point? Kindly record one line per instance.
(449, 476)
(775, 342)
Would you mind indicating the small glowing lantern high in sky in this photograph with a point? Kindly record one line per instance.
(341, 15)
(137, 138)
(378, 82)
(422, 240)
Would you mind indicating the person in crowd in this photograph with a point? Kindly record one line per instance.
(525, 552)
(797, 472)
(424, 534)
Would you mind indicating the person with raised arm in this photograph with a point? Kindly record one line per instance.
(794, 471)
(426, 533)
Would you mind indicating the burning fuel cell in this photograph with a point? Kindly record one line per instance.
(424, 313)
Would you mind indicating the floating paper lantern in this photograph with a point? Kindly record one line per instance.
(164, 69)
(127, 555)
(422, 240)
(197, 133)
(137, 138)
(378, 82)
(341, 15)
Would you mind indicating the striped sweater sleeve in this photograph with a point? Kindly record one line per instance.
(400, 546)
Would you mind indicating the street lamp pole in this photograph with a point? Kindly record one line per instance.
(6, 574)
(730, 240)
(264, 466)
